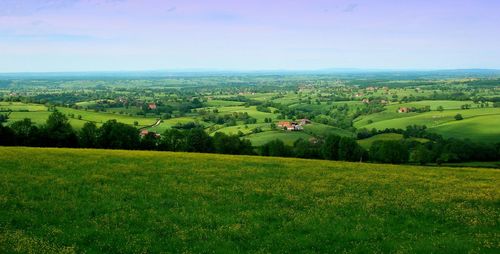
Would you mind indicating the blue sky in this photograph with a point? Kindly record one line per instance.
(110, 35)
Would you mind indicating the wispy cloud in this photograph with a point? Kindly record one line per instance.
(351, 7)
(172, 9)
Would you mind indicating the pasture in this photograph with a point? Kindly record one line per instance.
(287, 137)
(478, 123)
(97, 201)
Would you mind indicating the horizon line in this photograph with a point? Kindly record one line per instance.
(223, 70)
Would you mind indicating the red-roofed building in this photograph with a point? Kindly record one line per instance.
(152, 106)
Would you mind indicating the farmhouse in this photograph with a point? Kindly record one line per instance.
(145, 132)
(289, 126)
(152, 106)
(403, 110)
(365, 100)
(304, 121)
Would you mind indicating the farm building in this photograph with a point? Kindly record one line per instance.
(304, 121)
(365, 100)
(152, 106)
(293, 126)
(145, 132)
(403, 110)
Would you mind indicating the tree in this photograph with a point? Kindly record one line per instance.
(275, 148)
(349, 150)
(58, 132)
(389, 152)
(149, 141)
(458, 117)
(27, 134)
(115, 135)
(197, 140)
(330, 148)
(7, 136)
(231, 144)
(172, 140)
(88, 135)
(3, 118)
(440, 108)
(304, 149)
(421, 155)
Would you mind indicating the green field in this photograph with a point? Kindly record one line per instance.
(252, 111)
(367, 142)
(222, 103)
(481, 128)
(478, 124)
(97, 201)
(324, 130)
(288, 137)
(41, 117)
(233, 130)
(433, 104)
(19, 106)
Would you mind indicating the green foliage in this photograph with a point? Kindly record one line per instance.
(389, 152)
(115, 135)
(58, 132)
(231, 144)
(88, 135)
(342, 148)
(275, 148)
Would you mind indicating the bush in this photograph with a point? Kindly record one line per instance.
(389, 152)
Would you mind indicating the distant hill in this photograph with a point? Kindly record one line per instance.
(338, 72)
(104, 201)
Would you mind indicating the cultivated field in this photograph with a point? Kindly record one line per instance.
(97, 201)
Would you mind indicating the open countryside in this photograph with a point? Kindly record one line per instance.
(219, 126)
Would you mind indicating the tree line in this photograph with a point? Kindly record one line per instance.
(57, 132)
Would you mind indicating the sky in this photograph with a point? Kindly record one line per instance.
(122, 35)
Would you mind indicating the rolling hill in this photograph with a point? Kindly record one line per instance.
(104, 201)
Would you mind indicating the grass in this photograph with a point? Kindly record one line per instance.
(433, 104)
(233, 130)
(102, 117)
(40, 118)
(168, 123)
(288, 137)
(324, 130)
(367, 142)
(222, 103)
(479, 124)
(96, 201)
(19, 106)
(252, 111)
(481, 128)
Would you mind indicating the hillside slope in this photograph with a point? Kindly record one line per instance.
(98, 201)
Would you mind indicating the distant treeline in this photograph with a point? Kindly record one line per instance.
(57, 132)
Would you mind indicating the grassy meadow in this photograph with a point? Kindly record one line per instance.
(104, 201)
(479, 124)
